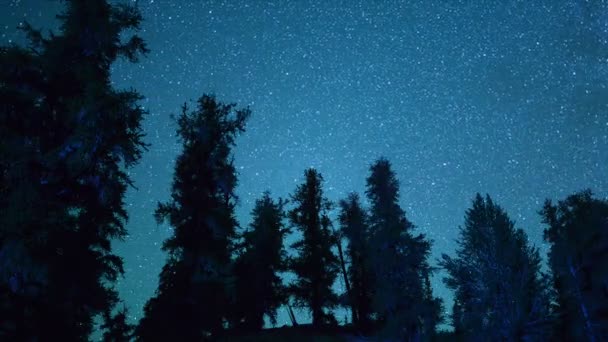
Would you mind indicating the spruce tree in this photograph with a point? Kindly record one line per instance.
(500, 292)
(353, 224)
(66, 139)
(397, 257)
(578, 233)
(193, 295)
(315, 266)
(259, 289)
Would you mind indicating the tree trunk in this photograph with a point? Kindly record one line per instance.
(292, 317)
(355, 318)
(584, 311)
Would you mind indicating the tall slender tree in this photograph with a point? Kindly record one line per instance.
(315, 266)
(500, 292)
(397, 256)
(193, 296)
(578, 233)
(353, 224)
(338, 237)
(66, 139)
(259, 289)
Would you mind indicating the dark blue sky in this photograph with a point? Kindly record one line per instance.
(504, 97)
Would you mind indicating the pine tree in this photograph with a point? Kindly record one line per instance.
(578, 234)
(193, 295)
(353, 224)
(500, 292)
(259, 289)
(316, 267)
(398, 258)
(116, 328)
(66, 139)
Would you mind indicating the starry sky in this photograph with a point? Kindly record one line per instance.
(508, 98)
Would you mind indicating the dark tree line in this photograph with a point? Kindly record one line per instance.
(67, 138)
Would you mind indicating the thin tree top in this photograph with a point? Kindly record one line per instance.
(383, 194)
(212, 123)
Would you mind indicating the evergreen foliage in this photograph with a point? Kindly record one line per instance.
(578, 234)
(500, 292)
(259, 289)
(315, 266)
(398, 258)
(353, 224)
(195, 285)
(116, 328)
(66, 139)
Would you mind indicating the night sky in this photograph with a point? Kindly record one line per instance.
(504, 97)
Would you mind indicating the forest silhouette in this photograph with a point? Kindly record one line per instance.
(68, 138)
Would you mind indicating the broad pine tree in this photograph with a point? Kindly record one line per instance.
(397, 257)
(66, 139)
(259, 289)
(315, 266)
(193, 295)
(578, 234)
(353, 225)
(500, 292)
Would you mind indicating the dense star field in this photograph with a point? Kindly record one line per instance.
(500, 97)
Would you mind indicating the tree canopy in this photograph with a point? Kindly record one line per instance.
(577, 230)
(500, 292)
(260, 290)
(66, 138)
(195, 285)
(315, 266)
(398, 258)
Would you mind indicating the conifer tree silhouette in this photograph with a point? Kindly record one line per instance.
(578, 233)
(315, 266)
(500, 292)
(66, 139)
(354, 225)
(193, 297)
(116, 328)
(397, 257)
(259, 289)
